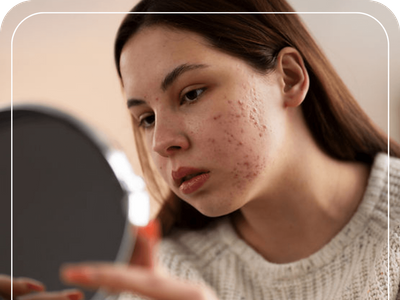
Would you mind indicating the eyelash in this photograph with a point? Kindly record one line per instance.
(143, 120)
(182, 100)
(197, 95)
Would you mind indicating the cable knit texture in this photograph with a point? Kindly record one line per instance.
(353, 265)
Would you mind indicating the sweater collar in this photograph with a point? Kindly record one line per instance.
(370, 216)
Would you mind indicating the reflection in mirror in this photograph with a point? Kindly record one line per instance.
(71, 196)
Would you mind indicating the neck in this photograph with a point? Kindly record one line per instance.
(308, 205)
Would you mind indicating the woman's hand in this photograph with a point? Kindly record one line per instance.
(30, 289)
(141, 277)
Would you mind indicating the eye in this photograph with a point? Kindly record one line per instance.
(192, 95)
(146, 121)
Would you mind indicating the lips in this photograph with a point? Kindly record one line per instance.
(186, 173)
(190, 179)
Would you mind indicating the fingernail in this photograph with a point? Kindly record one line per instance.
(75, 297)
(78, 275)
(34, 287)
(151, 231)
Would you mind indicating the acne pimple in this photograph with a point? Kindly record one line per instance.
(217, 117)
(248, 176)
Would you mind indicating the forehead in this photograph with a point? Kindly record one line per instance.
(154, 51)
(158, 47)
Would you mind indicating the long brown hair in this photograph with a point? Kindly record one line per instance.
(336, 121)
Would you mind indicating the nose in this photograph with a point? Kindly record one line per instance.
(169, 137)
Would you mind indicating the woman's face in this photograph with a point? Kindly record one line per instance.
(213, 125)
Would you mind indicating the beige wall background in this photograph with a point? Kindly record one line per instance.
(66, 60)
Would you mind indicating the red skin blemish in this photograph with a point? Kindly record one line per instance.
(217, 117)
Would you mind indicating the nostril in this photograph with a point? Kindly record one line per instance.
(167, 141)
(172, 148)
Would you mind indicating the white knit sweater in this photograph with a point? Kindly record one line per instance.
(353, 265)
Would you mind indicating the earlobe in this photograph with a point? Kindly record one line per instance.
(295, 80)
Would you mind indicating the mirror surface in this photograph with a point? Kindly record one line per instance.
(67, 203)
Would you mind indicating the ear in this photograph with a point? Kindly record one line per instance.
(295, 80)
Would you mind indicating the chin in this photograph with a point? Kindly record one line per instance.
(214, 212)
(213, 206)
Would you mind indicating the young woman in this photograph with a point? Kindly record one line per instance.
(276, 184)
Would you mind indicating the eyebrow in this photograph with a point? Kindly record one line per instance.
(169, 80)
(135, 102)
(178, 71)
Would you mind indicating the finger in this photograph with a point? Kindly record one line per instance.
(146, 242)
(137, 280)
(21, 286)
(5, 286)
(72, 294)
(24, 285)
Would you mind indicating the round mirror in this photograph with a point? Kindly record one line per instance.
(67, 196)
